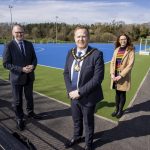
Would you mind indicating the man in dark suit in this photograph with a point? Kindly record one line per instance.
(83, 75)
(19, 57)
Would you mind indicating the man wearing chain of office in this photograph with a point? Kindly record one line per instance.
(83, 75)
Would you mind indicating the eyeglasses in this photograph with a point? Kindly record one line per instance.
(19, 32)
(123, 39)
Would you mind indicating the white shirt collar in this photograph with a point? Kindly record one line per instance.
(18, 41)
(83, 51)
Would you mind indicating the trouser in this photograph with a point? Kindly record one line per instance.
(17, 91)
(120, 100)
(82, 114)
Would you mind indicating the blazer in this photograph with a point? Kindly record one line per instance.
(14, 61)
(91, 77)
(124, 84)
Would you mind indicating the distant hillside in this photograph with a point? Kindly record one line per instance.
(99, 32)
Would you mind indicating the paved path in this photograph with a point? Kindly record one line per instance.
(131, 133)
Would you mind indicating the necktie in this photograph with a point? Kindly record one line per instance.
(22, 48)
(75, 74)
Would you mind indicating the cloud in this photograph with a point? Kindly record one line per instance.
(87, 12)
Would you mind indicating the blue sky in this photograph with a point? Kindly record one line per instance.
(76, 11)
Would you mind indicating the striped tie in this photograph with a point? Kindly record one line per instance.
(22, 48)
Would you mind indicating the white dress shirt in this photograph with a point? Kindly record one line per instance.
(20, 46)
(81, 62)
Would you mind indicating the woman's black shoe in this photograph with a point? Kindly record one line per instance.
(119, 114)
(114, 114)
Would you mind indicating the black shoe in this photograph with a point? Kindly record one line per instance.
(34, 116)
(72, 142)
(119, 114)
(20, 125)
(88, 147)
(114, 113)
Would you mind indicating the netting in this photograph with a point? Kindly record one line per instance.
(144, 46)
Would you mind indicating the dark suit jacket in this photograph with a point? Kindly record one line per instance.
(91, 77)
(14, 61)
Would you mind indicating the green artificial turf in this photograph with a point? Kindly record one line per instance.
(49, 81)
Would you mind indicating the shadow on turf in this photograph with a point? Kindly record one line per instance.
(136, 127)
(105, 104)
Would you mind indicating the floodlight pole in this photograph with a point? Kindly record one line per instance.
(11, 25)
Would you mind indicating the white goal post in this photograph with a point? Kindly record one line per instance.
(144, 47)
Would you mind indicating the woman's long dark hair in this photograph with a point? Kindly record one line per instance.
(129, 43)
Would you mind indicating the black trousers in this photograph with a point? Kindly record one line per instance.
(17, 91)
(120, 99)
(82, 114)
